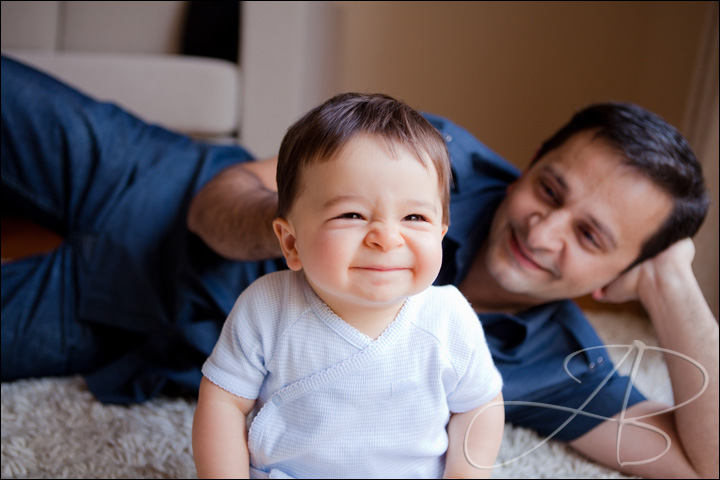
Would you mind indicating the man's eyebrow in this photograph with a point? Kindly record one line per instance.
(559, 179)
(597, 224)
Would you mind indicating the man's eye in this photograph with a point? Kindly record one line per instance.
(588, 236)
(550, 192)
(414, 218)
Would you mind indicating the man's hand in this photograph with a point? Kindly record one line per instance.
(640, 283)
(683, 323)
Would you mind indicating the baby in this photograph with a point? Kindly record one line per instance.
(350, 364)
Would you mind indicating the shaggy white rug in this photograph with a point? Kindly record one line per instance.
(53, 427)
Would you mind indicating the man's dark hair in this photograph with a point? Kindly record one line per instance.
(656, 149)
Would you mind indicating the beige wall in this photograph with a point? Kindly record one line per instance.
(702, 120)
(511, 72)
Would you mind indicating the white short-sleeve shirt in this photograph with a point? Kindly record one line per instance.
(331, 401)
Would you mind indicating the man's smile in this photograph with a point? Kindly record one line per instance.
(523, 256)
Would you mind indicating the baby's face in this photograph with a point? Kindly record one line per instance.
(367, 228)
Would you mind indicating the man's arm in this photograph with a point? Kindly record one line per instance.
(219, 434)
(233, 212)
(483, 441)
(683, 322)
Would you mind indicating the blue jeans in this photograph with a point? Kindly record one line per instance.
(129, 279)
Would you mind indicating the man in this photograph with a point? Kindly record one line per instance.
(135, 302)
(566, 228)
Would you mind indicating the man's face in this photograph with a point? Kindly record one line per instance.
(573, 222)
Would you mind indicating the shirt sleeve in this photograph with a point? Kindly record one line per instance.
(237, 363)
(479, 380)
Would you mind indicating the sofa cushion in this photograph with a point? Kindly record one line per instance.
(193, 95)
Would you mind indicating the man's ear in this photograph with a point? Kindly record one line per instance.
(288, 243)
(599, 294)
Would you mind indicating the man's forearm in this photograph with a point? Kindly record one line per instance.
(233, 214)
(684, 324)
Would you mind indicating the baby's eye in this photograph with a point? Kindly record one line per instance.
(351, 216)
(414, 218)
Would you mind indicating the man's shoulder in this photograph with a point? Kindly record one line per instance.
(466, 150)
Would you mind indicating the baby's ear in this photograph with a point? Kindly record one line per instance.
(286, 236)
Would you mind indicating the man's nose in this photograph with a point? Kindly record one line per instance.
(384, 236)
(548, 231)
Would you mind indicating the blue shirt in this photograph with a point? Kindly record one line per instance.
(136, 300)
(528, 348)
(193, 290)
(173, 293)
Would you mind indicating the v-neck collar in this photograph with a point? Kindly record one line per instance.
(351, 334)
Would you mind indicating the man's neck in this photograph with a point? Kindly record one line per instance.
(486, 295)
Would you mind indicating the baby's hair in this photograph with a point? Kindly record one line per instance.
(325, 130)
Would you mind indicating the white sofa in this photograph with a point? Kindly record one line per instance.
(129, 53)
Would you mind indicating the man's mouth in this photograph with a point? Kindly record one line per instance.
(523, 256)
